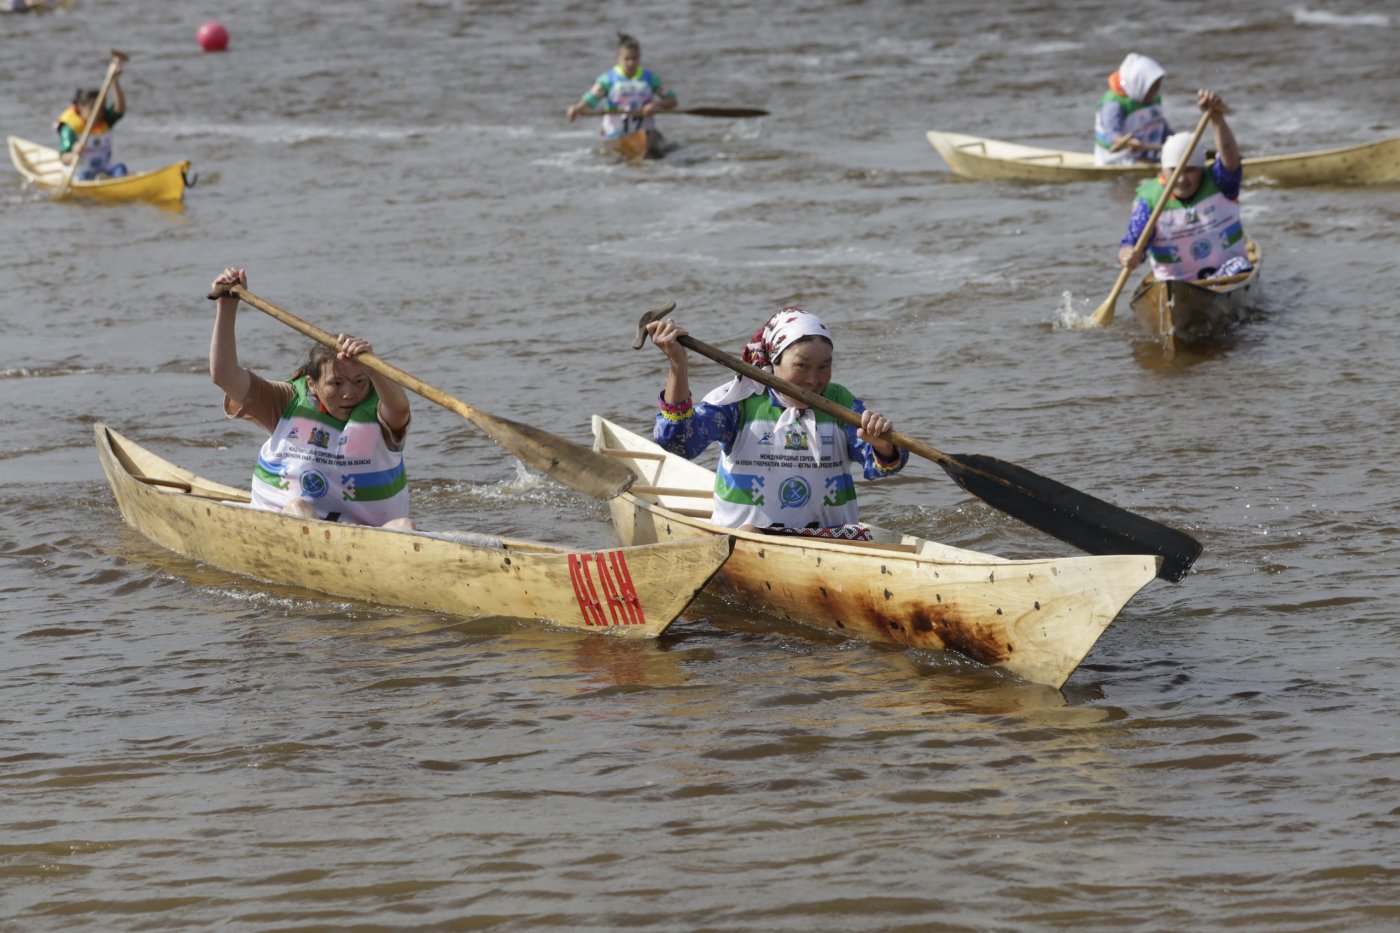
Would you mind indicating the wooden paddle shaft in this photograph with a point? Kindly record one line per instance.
(367, 360)
(562, 460)
(811, 399)
(726, 112)
(92, 118)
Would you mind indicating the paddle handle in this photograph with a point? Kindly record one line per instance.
(811, 399)
(1104, 314)
(93, 116)
(367, 360)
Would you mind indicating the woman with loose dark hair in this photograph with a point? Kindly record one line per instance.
(337, 429)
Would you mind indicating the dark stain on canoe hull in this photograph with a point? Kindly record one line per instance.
(934, 626)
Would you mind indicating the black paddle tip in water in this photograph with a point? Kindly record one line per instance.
(1077, 518)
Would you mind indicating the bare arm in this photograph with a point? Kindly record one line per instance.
(224, 368)
(393, 401)
(118, 98)
(1226, 149)
(665, 335)
(597, 91)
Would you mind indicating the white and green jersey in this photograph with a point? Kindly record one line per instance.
(343, 468)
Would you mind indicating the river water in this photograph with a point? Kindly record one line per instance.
(182, 747)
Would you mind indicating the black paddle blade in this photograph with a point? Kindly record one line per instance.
(1077, 518)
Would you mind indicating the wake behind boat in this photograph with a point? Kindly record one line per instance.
(42, 168)
(635, 591)
(980, 158)
(1036, 618)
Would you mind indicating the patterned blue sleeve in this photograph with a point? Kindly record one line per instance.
(1228, 181)
(686, 429)
(874, 467)
(1142, 212)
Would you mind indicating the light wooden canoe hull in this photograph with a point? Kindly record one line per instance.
(630, 147)
(1036, 618)
(981, 158)
(1179, 313)
(41, 168)
(629, 591)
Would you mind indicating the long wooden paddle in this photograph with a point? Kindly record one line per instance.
(1074, 517)
(94, 115)
(729, 112)
(564, 461)
(1103, 315)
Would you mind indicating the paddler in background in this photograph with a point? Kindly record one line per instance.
(337, 429)
(636, 92)
(96, 160)
(1199, 234)
(783, 469)
(1129, 125)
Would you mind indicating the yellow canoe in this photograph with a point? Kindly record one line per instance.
(981, 158)
(40, 165)
(1036, 618)
(629, 591)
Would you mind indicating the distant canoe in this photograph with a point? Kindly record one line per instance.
(981, 158)
(40, 165)
(628, 591)
(1180, 313)
(630, 147)
(1035, 618)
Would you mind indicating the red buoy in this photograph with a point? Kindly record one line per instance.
(213, 37)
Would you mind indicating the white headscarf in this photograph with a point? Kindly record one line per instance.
(1137, 74)
(1174, 149)
(781, 331)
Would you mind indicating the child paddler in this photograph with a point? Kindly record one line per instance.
(96, 159)
(1199, 234)
(337, 429)
(1129, 124)
(783, 469)
(635, 91)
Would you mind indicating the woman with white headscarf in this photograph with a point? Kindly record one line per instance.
(1129, 125)
(782, 468)
(1199, 234)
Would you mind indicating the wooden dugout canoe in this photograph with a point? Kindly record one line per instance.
(981, 158)
(41, 167)
(1179, 313)
(630, 591)
(1037, 618)
(630, 147)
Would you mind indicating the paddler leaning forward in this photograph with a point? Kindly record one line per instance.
(336, 429)
(783, 469)
(1199, 234)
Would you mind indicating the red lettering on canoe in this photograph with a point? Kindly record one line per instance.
(615, 580)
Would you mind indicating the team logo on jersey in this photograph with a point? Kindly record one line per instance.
(313, 484)
(795, 440)
(1200, 249)
(794, 493)
(320, 437)
(766, 439)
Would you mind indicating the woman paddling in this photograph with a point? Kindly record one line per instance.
(337, 429)
(782, 468)
(635, 92)
(1199, 234)
(1129, 125)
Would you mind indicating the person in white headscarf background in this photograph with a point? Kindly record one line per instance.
(783, 469)
(1129, 125)
(1199, 234)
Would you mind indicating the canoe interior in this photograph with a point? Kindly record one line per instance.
(41, 167)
